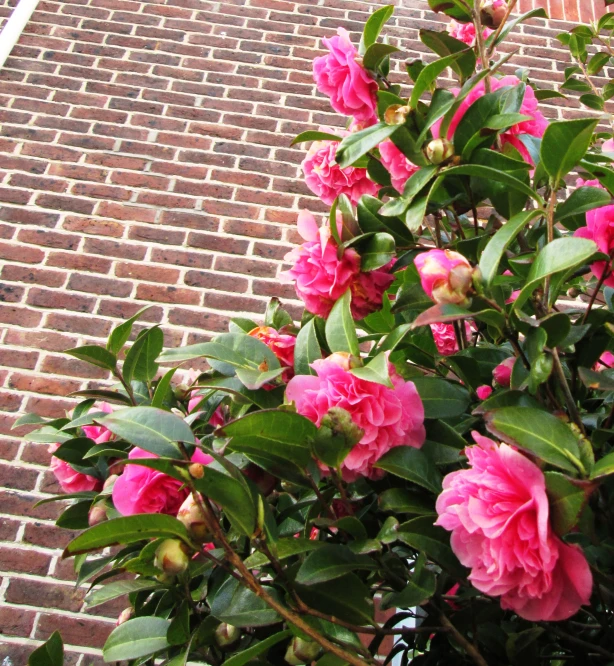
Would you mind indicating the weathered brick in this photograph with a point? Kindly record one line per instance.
(58, 300)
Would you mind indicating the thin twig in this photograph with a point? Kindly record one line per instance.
(578, 641)
(569, 399)
(469, 648)
(602, 279)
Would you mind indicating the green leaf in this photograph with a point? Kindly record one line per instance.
(510, 25)
(244, 657)
(413, 465)
(597, 63)
(375, 54)
(240, 607)
(117, 589)
(566, 501)
(281, 433)
(562, 254)
(595, 102)
(314, 135)
(140, 363)
(400, 500)
(284, 548)
(538, 432)
(480, 171)
(253, 378)
(149, 428)
(357, 144)
(120, 334)
(179, 630)
(444, 45)
(430, 73)
(456, 9)
(375, 371)
(541, 95)
(374, 26)
(441, 102)
(378, 251)
(330, 562)
(136, 638)
(603, 467)
(162, 388)
(94, 355)
(580, 201)
(441, 399)
(498, 244)
(127, 529)
(420, 588)
(50, 653)
(564, 144)
(346, 597)
(415, 183)
(340, 330)
(306, 349)
(75, 517)
(101, 394)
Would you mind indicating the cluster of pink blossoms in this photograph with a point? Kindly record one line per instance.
(321, 276)
(389, 417)
(498, 513)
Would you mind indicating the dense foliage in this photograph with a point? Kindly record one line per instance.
(428, 457)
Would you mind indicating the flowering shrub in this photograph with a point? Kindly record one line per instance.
(318, 471)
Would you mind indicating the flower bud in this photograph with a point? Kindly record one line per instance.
(340, 422)
(226, 635)
(110, 481)
(97, 514)
(396, 114)
(171, 557)
(493, 13)
(502, 374)
(446, 276)
(439, 151)
(124, 616)
(197, 470)
(301, 651)
(345, 360)
(483, 392)
(191, 515)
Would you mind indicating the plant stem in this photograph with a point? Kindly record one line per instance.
(550, 223)
(127, 386)
(471, 650)
(602, 279)
(578, 641)
(479, 42)
(569, 399)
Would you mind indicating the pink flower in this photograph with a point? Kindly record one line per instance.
(606, 360)
(498, 513)
(465, 32)
(600, 228)
(580, 182)
(69, 479)
(281, 345)
(389, 417)
(534, 127)
(341, 76)
(326, 179)
(514, 295)
(502, 374)
(608, 148)
(144, 490)
(484, 392)
(99, 433)
(399, 167)
(321, 277)
(445, 337)
(445, 276)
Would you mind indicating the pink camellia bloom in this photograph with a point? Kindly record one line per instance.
(445, 276)
(498, 513)
(321, 277)
(69, 479)
(580, 182)
(388, 417)
(399, 167)
(534, 127)
(606, 360)
(99, 433)
(600, 228)
(144, 490)
(483, 392)
(341, 76)
(608, 148)
(502, 374)
(465, 32)
(326, 179)
(281, 345)
(445, 337)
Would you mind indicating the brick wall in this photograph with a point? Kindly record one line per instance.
(145, 159)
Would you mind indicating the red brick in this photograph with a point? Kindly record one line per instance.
(179, 258)
(156, 235)
(10, 293)
(74, 324)
(13, 358)
(207, 321)
(18, 316)
(150, 292)
(40, 340)
(124, 212)
(66, 203)
(98, 285)
(126, 309)
(17, 478)
(29, 275)
(16, 622)
(26, 561)
(27, 255)
(58, 300)
(78, 262)
(24, 216)
(114, 249)
(78, 172)
(43, 594)
(81, 631)
(50, 407)
(147, 273)
(47, 385)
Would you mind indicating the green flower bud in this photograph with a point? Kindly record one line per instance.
(226, 635)
(191, 515)
(439, 151)
(97, 514)
(301, 651)
(171, 557)
(340, 422)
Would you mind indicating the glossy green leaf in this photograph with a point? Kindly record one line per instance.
(375, 371)
(140, 363)
(357, 144)
(538, 432)
(245, 656)
(50, 653)
(162, 388)
(413, 465)
(444, 45)
(378, 251)
(374, 26)
(603, 467)
(429, 75)
(149, 428)
(136, 638)
(307, 349)
(346, 597)
(314, 135)
(580, 201)
(401, 500)
(566, 501)
(330, 562)
(480, 171)
(422, 535)
(375, 54)
(102, 394)
(498, 244)
(512, 23)
(98, 356)
(564, 144)
(456, 9)
(120, 334)
(127, 529)
(340, 330)
(441, 399)
(284, 548)
(118, 588)
(420, 587)
(240, 607)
